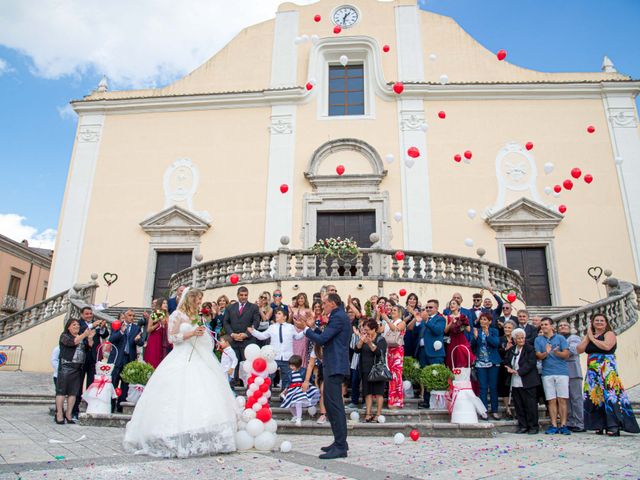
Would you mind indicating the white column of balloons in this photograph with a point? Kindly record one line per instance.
(256, 428)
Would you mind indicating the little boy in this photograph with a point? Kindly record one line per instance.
(229, 360)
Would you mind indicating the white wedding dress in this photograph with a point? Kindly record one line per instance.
(187, 407)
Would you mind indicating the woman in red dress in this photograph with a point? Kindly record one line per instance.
(157, 329)
(457, 325)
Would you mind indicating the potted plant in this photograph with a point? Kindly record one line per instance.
(411, 372)
(435, 379)
(136, 374)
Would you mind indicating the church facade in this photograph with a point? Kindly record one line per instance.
(296, 128)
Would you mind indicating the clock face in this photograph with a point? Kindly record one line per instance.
(345, 16)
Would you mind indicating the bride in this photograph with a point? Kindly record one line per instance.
(187, 408)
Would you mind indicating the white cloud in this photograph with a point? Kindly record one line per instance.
(139, 43)
(12, 225)
(4, 67)
(67, 112)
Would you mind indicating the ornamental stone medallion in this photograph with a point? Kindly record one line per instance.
(180, 183)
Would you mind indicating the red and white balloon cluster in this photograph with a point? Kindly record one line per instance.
(256, 428)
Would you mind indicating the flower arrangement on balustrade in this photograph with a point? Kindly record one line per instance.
(341, 248)
(435, 377)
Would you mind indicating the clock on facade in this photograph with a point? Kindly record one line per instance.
(345, 16)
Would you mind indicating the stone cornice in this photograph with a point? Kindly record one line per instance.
(297, 94)
(25, 253)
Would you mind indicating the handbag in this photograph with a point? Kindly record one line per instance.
(394, 338)
(379, 372)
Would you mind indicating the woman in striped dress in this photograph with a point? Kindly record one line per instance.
(295, 398)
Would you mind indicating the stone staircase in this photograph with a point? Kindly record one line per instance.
(116, 311)
(547, 310)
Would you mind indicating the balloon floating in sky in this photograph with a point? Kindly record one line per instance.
(562, 208)
(284, 188)
(309, 86)
(591, 129)
(502, 54)
(548, 190)
(471, 213)
(548, 168)
(468, 154)
(397, 216)
(567, 184)
(529, 146)
(512, 297)
(315, 39)
(442, 114)
(340, 169)
(304, 38)
(413, 152)
(344, 60)
(402, 292)
(576, 172)
(389, 157)
(468, 242)
(337, 29)
(588, 178)
(433, 57)
(317, 18)
(409, 162)
(444, 79)
(399, 255)
(234, 279)
(386, 48)
(557, 188)
(398, 87)
(457, 157)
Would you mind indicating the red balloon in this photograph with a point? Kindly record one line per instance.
(441, 114)
(257, 394)
(267, 381)
(557, 188)
(386, 48)
(399, 255)
(264, 414)
(402, 292)
(468, 154)
(588, 178)
(398, 87)
(568, 184)
(415, 435)
(591, 129)
(340, 169)
(118, 391)
(576, 172)
(413, 152)
(457, 157)
(317, 18)
(511, 297)
(251, 379)
(116, 325)
(502, 54)
(250, 402)
(562, 208)
(263, 388)
(337, 29)
(259, 365)
(234, 278)
(529, 145)
(309, 85)
(284, 188)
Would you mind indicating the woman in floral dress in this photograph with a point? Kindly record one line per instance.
(606, 405)
(394, 330)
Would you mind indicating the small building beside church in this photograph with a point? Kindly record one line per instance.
(161, 177)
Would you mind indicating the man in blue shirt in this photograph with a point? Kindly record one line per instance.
(553, 350)
(430, 350)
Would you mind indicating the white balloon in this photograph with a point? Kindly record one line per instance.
(315, 39)
(251, 352)
(265, 441)
(437, 345)
(313, 82)
(466, 160)
(397, 216)
(256, 407)
(424, 126)
(244, 441)
(272, 366)
(255, 427)
(548, 190)
(468, 242)
(406, 385)
(409, 162)
(556, 194)
(398, 438)
(263, 400)
(285, 447)
(248, 415)
(381, 419)
(312, 410)
(471, 213)
(271, 426)
(268, 353)
(344, 60)
(619, 160)
(297, 40)
(444, 79)
(242, 425)
(355, 416)
(246, 367)
(241, 401)
(258, 381)
(548, 168)
(433, 57)
(304, 38)
(389, 158)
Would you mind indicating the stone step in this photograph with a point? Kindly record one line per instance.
(25, 398)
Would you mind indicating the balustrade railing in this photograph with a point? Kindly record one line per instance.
(368, 264)
(11, 304)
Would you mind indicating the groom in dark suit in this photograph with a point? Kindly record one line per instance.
(335, 364)
(237, 318)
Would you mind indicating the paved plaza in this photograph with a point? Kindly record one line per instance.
(32, 446)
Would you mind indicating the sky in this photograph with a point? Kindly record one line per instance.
(54, 51)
